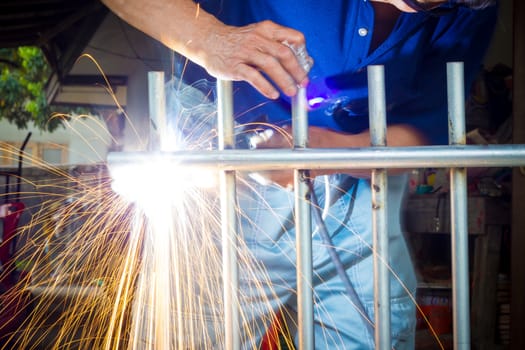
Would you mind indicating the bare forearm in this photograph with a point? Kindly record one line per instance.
(226, 52)
(179, 24)
(397, 136)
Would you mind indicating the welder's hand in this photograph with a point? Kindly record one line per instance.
(274, 138)
(260, 54)
(245, 53)
(281, 137)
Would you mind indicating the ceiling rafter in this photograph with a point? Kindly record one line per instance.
(62, 28)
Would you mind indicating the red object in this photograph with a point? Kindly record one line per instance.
(14, 309)
(438, 316)
(271, 339)
(13, 302)
(8, 245)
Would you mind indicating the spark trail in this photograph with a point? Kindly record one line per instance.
(119, 264)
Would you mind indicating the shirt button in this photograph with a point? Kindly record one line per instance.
(362, 31)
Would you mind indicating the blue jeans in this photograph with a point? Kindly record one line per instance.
(268, 266)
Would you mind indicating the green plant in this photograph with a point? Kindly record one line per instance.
(24, 72)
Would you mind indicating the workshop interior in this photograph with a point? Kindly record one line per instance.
(91, 223)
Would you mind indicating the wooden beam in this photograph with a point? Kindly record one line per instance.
(67, 22)
(517, 336)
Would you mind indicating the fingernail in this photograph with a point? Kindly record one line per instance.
(304, 82)
(291, 90)
(274, 95)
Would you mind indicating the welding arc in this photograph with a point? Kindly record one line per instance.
(325, 236)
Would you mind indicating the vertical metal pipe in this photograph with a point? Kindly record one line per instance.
(303, 227)
(160, 322)
(377, 108)
(228, 219)
(157, 111)
(458, 207)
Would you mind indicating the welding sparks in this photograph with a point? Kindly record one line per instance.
(131, 258)
(157, 181)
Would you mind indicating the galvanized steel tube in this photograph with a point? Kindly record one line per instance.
(227, 160)
(160, 318)
(333, 158)
(303, 226)
(157, 111)
(228, 219)
(377, 110)
(458, 207)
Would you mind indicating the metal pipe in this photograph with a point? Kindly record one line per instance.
(230, 267)
(303, 226)
(157, 111)
(227, 160)
(160, 324)
(458, 208)
(334, 158)
(379, 183)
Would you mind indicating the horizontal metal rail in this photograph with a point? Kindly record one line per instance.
(336, 158)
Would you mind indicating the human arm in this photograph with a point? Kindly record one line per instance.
(226, 52)
(399, 135)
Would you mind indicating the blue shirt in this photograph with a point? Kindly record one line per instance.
(338, 37)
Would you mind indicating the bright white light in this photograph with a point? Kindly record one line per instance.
(316, 101)
(151, 181)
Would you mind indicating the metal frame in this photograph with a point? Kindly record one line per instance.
(457, 157)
